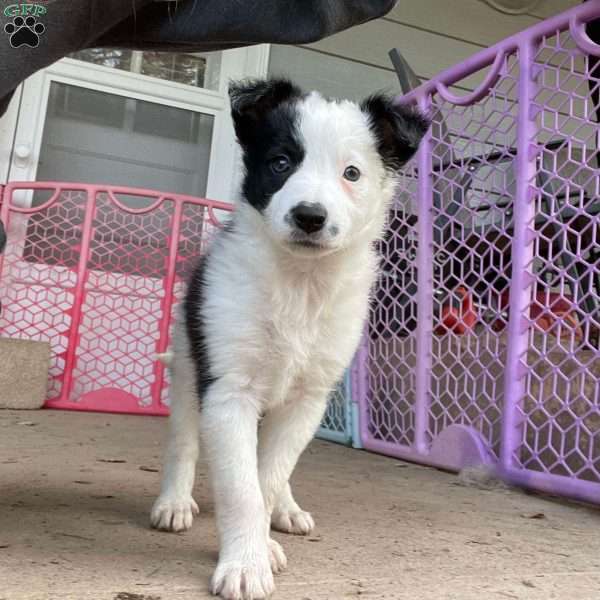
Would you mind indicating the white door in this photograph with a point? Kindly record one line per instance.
(140, 119)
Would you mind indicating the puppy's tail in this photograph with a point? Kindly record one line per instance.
(166, 358)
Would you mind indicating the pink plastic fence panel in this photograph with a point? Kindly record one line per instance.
(97, 271)
(483, 344)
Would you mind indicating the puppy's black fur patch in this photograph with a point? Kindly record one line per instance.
(398, 129)
(266, 126)
(195, 328)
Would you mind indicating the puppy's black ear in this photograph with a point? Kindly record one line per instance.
(398, 129)
(252, 99)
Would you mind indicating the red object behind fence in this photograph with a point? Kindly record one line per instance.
(458, 313)
(551, 312)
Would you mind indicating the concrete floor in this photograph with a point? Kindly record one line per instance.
(75, 491)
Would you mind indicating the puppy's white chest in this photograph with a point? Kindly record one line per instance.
(297, 338)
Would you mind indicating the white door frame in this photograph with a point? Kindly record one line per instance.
(8, 127)
(28, 126)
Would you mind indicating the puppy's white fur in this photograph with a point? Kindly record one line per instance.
(282, 324)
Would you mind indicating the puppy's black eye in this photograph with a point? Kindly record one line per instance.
(280, 164)
(352, 173)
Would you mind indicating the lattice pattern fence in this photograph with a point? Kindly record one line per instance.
(484, 341)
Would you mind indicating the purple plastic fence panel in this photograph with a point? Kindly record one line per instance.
(483, 344)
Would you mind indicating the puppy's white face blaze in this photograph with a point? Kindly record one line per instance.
(341, 179)
(320, 173)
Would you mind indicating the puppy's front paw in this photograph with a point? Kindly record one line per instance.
(173, 513)
(277, 556)
(247, 579)
(298, 522)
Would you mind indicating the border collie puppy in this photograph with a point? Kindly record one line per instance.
(274, 313)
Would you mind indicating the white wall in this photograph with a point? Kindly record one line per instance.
(431, 34)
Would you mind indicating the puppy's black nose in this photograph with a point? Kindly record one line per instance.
(310, 218)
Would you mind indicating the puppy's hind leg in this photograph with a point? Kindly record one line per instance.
(288, 517)
(284, 434)
(175, 508)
